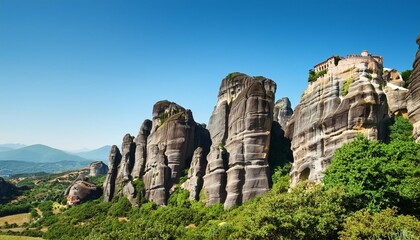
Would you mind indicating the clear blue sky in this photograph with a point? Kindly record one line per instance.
(81, 73)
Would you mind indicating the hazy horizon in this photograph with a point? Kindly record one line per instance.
(81, 74)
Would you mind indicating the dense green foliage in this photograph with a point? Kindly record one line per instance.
(313, 76)
(385, 224)
(379, 175)
(366, 189)
(406, 77)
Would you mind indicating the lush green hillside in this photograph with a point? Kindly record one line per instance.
(39, 153)
(370, 191)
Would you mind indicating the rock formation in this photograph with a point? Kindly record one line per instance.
(240, 125)
(413, 100)
(81, 190)
(346, 101)
(395, 92)
(194, 181)
(282, 111)
(159, 155)
(141, 150)
(109, 183)
(97, 168)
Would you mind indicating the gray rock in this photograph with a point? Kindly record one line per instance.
(413, 99)
(141, 149)
(81, 191)
(97, 168)
(109, 183)
(240, 125)
(123, 181)
(194, 181)
(282, 111)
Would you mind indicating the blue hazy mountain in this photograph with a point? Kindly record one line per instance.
(97, 154)
(10, 146)
(39, 153)
(11, 167)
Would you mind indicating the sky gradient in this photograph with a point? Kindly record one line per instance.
(80, 74)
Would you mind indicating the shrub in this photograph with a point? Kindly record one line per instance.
(346, 86)
(386, 224)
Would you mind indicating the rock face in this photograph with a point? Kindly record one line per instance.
(158, 156)
(395, 92)
(282, 111)
(195, 180)
(413, 99)
(109, 184)
(141, 150)
(346, 101)
(81, 190)
(240, 125)
(97, 168)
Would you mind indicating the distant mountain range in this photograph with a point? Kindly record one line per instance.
(97, 154)
(16, 159)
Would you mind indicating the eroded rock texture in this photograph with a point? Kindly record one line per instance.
(160, 154)
(81, 190)
(413, 100)
(282, 111)
(395, 92)
(195, 180)
(336, 107)
(109, 183)
(97, 168)
(141, 150)
(240, 125)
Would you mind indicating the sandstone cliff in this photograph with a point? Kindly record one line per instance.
(240, 125)
(81, 190)
(413, 100)
(346, 101)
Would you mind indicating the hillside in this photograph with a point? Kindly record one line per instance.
(12, 167)
(96, 154)
(39, 153)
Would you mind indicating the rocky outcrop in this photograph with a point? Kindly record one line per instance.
(413, 99)
(283, 111)
(346, 101)
(109, 183)
(240, 125)
(159, 155)
(141, 150)
(395, 92)
(81, 191)
(170, 147)
(97, 168)
(194, 181)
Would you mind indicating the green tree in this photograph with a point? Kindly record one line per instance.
(385, 224)
(401, 130)
(377, 175)
(406, 77)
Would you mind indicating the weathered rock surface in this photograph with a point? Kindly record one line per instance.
(283, 111)
(327, 117)
(195, 180)
(159, 155)
(141, 149)
(81, 190)
(170, 147)
(413, 99)
(109, 183)
(97, 168)
(240, 125)
(395, 92)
